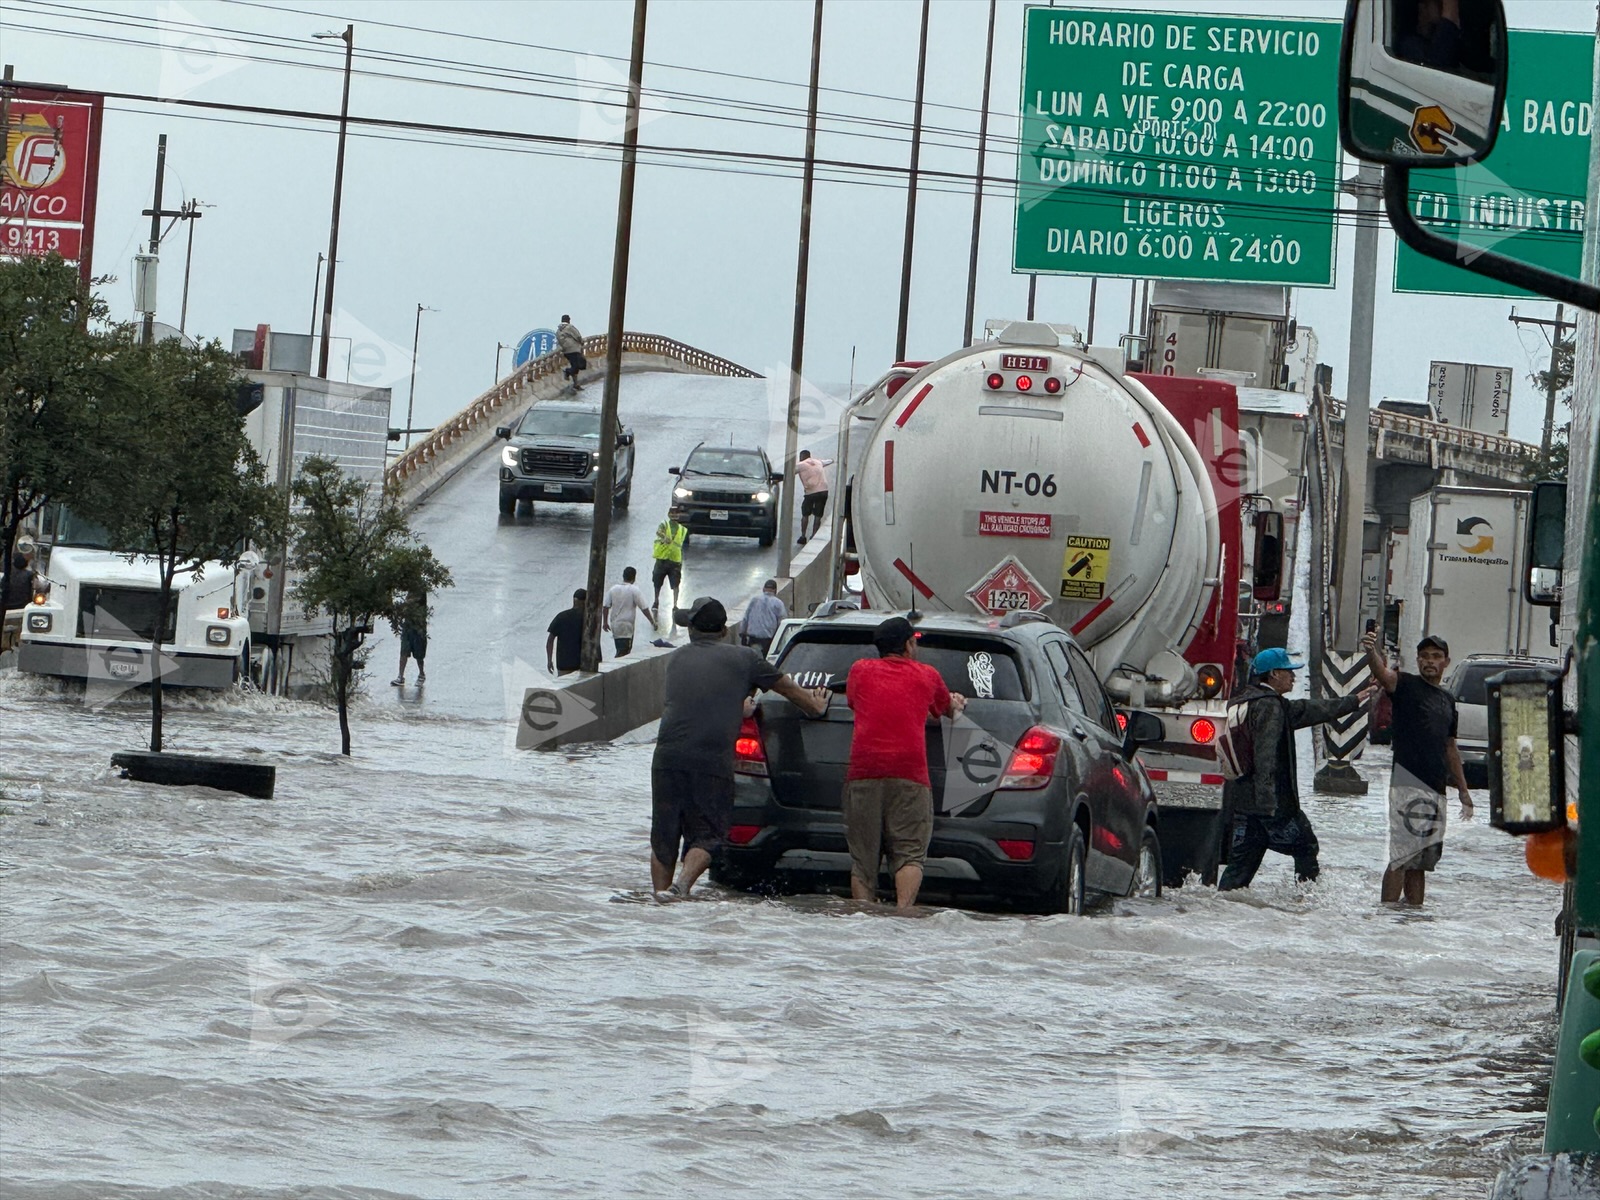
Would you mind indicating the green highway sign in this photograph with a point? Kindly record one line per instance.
(1527, 199)
(1178, 147)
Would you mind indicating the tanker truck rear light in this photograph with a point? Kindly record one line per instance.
(1052, 385)
(1024, 383)
(1203, 730)
(749, 758)
(1033, 762)
(1210, 676)
(996, 381)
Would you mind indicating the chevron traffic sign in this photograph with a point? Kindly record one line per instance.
(1344, 675)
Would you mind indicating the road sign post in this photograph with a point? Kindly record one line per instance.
(1177, 147)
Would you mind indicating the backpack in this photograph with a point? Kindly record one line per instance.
(1236, 749)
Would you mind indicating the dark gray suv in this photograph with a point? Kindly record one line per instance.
(728, 490)
(1038, 798)
(553, 453)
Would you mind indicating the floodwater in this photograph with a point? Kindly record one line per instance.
(417, 973)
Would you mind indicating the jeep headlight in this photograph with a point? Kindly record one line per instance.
(683, 493)
(763, 497)
(218, 635)
(509, 456)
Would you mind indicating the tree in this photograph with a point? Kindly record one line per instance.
(50, 366)
(359, 564)
(172, 476)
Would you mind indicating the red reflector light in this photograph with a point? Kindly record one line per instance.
(749, 758)
(996, 381)
(1015, 849)
(1122, 722)
(1024, 383)
(1033, 762)
(1203, 730)
(1052, 385)
(742, 835)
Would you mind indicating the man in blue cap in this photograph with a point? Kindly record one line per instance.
(1265, 801)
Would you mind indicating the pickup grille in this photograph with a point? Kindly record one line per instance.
(123, 614)
(574, 464)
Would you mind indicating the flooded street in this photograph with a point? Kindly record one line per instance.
(410, 975)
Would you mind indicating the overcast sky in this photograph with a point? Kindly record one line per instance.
(502, 236)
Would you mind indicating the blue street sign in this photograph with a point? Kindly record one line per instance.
(536, 343)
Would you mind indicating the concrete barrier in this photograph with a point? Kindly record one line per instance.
(627, 693)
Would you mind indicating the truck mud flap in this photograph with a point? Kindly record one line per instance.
(1191, 841)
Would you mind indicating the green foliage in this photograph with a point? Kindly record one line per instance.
(359, 564)
(51, 371)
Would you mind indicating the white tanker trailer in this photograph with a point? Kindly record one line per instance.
(1022, 474)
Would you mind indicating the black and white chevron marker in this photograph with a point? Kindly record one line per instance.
(1344, 675)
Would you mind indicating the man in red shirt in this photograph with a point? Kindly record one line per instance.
(888, 798)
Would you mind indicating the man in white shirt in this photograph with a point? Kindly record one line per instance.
(624, 602)
(761, 618)
(814, 479)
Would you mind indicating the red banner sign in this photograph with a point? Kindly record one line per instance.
(1014, 524)
(49, 174)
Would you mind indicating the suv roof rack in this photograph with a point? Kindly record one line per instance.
(1023, 616)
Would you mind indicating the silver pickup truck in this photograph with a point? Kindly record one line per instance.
(553, 453)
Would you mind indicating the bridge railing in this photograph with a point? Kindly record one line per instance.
(1439, 431)
(470, 422)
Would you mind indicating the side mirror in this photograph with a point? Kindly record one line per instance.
(1143, 729)
(1547, 544)
(1267, 576)
(1422, 82)
(624, 439)
(674, 470)
(503, 432)
(775, 479)
(1526, 769)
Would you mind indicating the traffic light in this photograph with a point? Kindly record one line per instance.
(1572, 1123)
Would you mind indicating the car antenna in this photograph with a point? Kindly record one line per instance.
(912, 614)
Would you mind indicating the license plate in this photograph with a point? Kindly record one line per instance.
(553, 489)
(719, 514)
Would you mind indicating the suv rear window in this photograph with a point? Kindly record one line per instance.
(975, 667)
(1467, 684)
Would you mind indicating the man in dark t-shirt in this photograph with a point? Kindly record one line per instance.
(1426, 762)
(563, 649)
(691, 776)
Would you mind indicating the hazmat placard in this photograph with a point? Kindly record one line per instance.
(1085, 566)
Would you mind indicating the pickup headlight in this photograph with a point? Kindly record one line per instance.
(218, 635)
(510, 456)
(683, 493)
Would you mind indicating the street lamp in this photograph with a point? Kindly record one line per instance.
(416, 335)
(349, 39)
(498, 348)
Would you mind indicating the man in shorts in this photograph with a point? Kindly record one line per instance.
(1426, 761)
(691, 776)
(668, 555)
(413, 638)
(888, 797)
(814, 480)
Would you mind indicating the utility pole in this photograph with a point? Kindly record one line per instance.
(911, 190)
(349, 39)
(797, 344)
(977, 186)
(606, 476)
(411, 400)
(1340, 644)
(1558, 327)
(147, 334)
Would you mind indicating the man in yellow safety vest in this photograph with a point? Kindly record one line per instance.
(668, 553)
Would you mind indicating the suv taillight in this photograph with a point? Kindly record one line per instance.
(748, 756)
(1033, 762)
